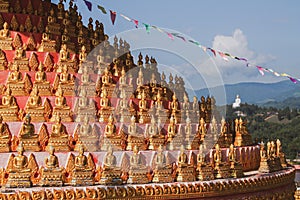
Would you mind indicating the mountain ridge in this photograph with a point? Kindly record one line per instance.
(251, 92)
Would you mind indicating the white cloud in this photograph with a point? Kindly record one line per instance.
(237, 45)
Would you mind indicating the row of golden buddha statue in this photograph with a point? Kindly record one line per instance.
(124, 137)
(22, 171)
(271, 159)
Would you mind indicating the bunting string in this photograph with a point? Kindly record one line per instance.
(224, 55)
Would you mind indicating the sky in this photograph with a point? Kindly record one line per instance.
(266, 32)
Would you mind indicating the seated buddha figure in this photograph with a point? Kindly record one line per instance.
(140, 79)
(204, 170)
(105, 78)
(185, 171)
(134, 138)
(137, 171)
(105, 107)
(34, 106)
(86, 83)
(123, 78)
(9, 109)
(41, 81)
(111, 137)
(160, 112)
(59, 137)
(61, 108)
(82, 173)
(162, 171)
(20, 53)
(47, 44)
(144, 116)
(221, 170)
(5, 39)
(156, 139)
(63, 53)
(192, 142)
(5, 136)
(51, 173)
(236, 169)
(19, 171)
(15, 76)
(172, 130)
(27, 135)
(85, 106)
(87, 136)
(4, 33)
(111, 174)
(202, 131)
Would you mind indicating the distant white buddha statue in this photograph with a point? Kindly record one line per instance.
(237, 102)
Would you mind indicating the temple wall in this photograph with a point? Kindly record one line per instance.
(277, 185)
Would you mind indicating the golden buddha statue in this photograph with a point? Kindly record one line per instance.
(86, 83)
(59, 130)
(172, 130)
(83, 169)
(105, 107)
(140, 79)
(280, 154)
(134, 138)
(123, 78)
(15, 76)
(41, 81)
(110, 128)
(175, 109)
(138, 171)
(52, 174)
(185, 171)
(9, 108)
(106, 80)
(66, 81)
(225, 137)
(87, 137)
(221, 170)
(61, 108)
(5, 136)
(65, 60)
(4, 33)
(47, 45)
(111, 138)
(161, 113)
(191, 139)
(34, 106)
(204, 170)
(59, 137)
(111, 174)
(19, 171)
(162, 171)
(20, 58)
(143, 114)
(85, 107)
(5, 39)
(28, 137)
(242, 137)
(202, 131)
(27, 129)
(236, 169)
(156, 138)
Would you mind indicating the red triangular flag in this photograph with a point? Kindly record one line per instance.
(113, 16)
(213, 51)
(136, 22)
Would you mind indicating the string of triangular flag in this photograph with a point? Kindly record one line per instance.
(224, 55)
